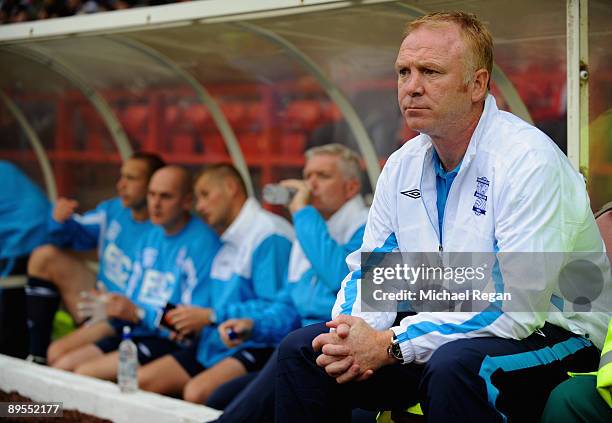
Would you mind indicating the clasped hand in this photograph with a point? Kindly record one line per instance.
(354, 351)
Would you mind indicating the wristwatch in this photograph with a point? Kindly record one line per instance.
(394, 350)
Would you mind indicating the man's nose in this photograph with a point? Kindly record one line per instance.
(311, 182)
(412, 86)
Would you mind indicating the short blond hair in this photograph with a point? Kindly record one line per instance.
(476, 35)
(223, 170)
(349, 161)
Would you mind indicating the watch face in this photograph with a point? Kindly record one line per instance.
(397, 351)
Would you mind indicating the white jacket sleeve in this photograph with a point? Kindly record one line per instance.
(378, 237)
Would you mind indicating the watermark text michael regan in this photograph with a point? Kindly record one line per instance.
(434, 295)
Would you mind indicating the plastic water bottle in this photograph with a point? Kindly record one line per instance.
(278, 194)
(128, 363)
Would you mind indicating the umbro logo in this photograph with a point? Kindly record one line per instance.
(412, 193)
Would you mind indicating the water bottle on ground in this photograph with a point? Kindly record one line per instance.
(128, 363)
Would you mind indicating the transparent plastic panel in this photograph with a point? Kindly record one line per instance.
(530, 48)
(131, 81)
(356, 48)
(107, 64)
(82, 155)
(16, 149)
(34, 90)
(277, 108)
(22, 74)
(600, 102)
(257, 87)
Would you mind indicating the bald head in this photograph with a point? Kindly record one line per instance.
(175, 175)
(169, 197)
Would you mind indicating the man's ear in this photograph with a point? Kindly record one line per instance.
(352, 187)
(480, 85)
(188, 201)
(231, 186)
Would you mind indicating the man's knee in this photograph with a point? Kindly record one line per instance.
(198, 392)
(42, 261)
(147, 380)
(87, 369)
(64, 363)
(300, 341)
(572, 399)
(456, 359)
(56, 350)
(562, 397)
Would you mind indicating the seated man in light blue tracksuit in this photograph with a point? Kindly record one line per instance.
(23, 211)
(113, 229)
(173, 259)
(250, 265)
(329, 218)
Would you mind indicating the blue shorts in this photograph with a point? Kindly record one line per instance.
(252, 359)
(149, 347)
(14, 266)
(118, 325)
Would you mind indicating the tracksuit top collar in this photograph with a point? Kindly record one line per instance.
(343, 223)
(243, 223)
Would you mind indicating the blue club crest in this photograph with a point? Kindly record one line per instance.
(480, 205)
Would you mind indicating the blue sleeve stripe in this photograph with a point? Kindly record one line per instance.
(94, 218)
(526, 360)
(350, 290)
(557, 301)
(350, 293)
(482, 319)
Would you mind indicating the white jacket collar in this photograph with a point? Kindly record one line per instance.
(243, 222)
(343, 224)
(489, 111)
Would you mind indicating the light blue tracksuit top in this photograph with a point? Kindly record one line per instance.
(23, 215)
(111, 229)
(316, 269)
(248, 270)
(170, 269)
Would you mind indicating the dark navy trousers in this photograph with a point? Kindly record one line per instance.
(255, 403)
(469, 380)
(14, 340)
(251, 398)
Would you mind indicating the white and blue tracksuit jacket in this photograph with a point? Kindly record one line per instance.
(23, 213)
(529, 200)
(246, 274)
(170, 269)
(316, 269)
(111, 229)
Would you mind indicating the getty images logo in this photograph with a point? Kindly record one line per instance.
(412, 193)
